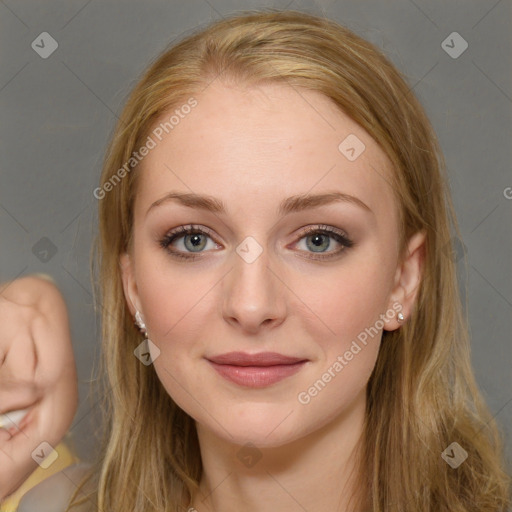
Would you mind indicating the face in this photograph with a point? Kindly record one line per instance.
(315, 280)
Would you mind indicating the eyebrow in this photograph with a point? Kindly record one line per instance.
(291, 204)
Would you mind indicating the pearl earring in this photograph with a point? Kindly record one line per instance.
(147, 351)
(140, 323)
(400, 317)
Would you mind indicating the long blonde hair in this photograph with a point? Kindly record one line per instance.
(422, 394)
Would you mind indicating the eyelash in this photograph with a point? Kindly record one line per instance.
(177, 233)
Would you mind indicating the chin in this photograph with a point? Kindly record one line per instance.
(260, 439)
(263, 431)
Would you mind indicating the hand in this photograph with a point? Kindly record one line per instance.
(37, 374)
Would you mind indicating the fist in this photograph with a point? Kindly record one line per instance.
(38, 380)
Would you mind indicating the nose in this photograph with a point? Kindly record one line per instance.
(254, 295)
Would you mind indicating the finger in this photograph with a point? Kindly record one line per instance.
(53, 347)
(20, 361)
(16, 463)
(12, 419)
(15, 320)
(35, 441)
(17, 396)
(17, 388)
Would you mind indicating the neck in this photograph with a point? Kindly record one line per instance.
(315, 473)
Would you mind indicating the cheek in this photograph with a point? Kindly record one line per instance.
(347, 334)
(340, 304)
(166, 291)
(176, 303)
(347, 325)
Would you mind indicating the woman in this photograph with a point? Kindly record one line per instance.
(274, 217)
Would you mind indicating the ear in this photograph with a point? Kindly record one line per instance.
(129, 285)
(407, 279)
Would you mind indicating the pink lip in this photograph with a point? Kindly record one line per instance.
(259, 359)
(256, 370)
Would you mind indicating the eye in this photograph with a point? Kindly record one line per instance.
(187, 238)
(189, 242)
(319, 239)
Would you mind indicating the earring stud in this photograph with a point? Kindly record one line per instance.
(400, 317)
(139, 322)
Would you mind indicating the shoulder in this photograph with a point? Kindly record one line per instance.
(54, 493)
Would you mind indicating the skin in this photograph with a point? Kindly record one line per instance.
(252, 148)
(37, 372)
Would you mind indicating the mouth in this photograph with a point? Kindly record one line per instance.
(256, 370)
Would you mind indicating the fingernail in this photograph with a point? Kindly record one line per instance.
(12, 419)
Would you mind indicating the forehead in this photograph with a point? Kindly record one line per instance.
(260, 144)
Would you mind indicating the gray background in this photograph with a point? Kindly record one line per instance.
(58, 113)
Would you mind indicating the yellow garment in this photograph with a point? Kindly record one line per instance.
(65, 459)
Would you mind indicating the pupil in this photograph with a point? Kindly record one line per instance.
(318, 241)
(196, 239)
